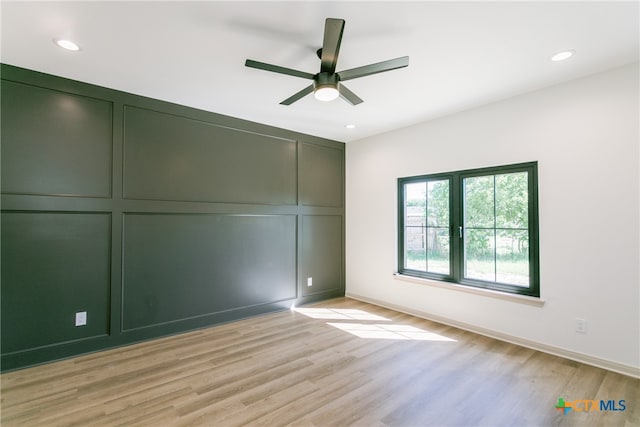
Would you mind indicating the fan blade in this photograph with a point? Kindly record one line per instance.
(349, 96)
(293, 98)
(277, 69)
(333, 29)
(378, 67)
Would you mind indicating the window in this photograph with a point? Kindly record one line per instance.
(475, 227)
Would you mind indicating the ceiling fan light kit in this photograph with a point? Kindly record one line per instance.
(326, 93)
(325, 87)
(327, 84)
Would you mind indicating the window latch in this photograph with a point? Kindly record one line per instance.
(460, 232)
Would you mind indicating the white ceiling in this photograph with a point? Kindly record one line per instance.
(462, 54)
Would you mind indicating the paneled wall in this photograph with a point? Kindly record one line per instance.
(153, 218)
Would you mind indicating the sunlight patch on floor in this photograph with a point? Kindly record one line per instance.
(338, 314)
(364, 329)
(389, 332)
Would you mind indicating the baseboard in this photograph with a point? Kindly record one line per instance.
(609, 365)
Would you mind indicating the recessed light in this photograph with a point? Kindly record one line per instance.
(67, 44)
(561, 56)
(350, 126)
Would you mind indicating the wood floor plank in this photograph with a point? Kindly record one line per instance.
(342, 363)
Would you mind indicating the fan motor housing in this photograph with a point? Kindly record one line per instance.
(325, 79)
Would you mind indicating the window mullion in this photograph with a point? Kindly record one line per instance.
(495, 232)
(425, 228)
(456, 222)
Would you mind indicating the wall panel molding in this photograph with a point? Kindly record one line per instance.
(322, 171)
(181, 266)
(322, 253)
(55, 143)
(54, 264)
(174, 158)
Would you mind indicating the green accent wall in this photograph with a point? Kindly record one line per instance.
(153, 218)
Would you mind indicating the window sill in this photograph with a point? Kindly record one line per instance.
(522, 299)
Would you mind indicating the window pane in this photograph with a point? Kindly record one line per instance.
(479, 255)
(512, 257)
(438, 250)
(478, 202)
(512, 200)
(415, 249)
(438, 203)
(415, 254)
(438, 227)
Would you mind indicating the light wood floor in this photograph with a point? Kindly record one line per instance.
(289, 368)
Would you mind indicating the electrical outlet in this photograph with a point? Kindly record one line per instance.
(581, 325)
(309, 281)
(81, 318)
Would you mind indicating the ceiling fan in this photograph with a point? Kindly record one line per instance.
(327, 84)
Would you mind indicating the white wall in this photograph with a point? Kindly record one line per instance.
(585, 136)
